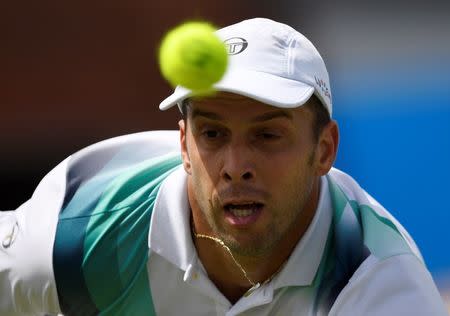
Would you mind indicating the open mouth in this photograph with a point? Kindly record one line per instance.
(243, 209)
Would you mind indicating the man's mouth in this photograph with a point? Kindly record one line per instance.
(243, 209)
(243, 214)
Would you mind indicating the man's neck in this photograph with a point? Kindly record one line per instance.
(229, 276)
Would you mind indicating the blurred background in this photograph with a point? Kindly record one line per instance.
(73, 73)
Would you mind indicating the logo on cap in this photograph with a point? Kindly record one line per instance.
(236, 45)
(323, 86)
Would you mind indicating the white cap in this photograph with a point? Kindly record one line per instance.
(269, 62)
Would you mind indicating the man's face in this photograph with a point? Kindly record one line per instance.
(251, 170)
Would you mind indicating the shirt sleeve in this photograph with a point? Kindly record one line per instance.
(27, 283)
(399, 285)
(27, 235)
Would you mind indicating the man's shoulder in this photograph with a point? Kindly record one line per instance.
(98, 165)
(109, 198)
(397, 285)
(118, 167)
(130, 148)
(380, 230)
(387, 273)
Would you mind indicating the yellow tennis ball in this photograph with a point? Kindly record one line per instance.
(193, 56)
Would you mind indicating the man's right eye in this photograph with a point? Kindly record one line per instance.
(211, 133)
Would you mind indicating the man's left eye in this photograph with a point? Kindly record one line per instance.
(269, 136)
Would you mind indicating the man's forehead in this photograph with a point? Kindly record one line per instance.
(229, 106)
(231, 102)
(226, 102)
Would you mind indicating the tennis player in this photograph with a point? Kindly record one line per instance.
(240, 212)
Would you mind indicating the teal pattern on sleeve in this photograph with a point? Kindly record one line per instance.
(101, 249)
(357, 231)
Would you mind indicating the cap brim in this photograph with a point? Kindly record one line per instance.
(267, 88)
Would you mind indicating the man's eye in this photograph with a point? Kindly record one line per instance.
(211, 133)
(269, 136)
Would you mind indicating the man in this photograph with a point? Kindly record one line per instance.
(250, 219)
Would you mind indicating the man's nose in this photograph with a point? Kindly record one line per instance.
(238, 163)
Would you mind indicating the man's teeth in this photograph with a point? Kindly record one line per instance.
(242, 210)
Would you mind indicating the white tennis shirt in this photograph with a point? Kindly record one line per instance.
(385, 283)
(399, 285)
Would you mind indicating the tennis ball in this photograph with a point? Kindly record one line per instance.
(193, 56)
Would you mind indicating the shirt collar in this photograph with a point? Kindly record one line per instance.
(170, 233)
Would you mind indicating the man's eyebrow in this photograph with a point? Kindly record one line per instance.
(209, 115)
(273, 115)
(257, 119)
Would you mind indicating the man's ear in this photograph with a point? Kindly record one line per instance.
(327, 148)
(184, 151)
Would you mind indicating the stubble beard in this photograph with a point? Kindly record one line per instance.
(283, 222)
(263, 244)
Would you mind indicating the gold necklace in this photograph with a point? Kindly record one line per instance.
(220, 242)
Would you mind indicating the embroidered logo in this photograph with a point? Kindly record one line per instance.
(323, 87)
(236, 45)
(8, 240)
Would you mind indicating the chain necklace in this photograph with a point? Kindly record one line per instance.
(220, 242)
